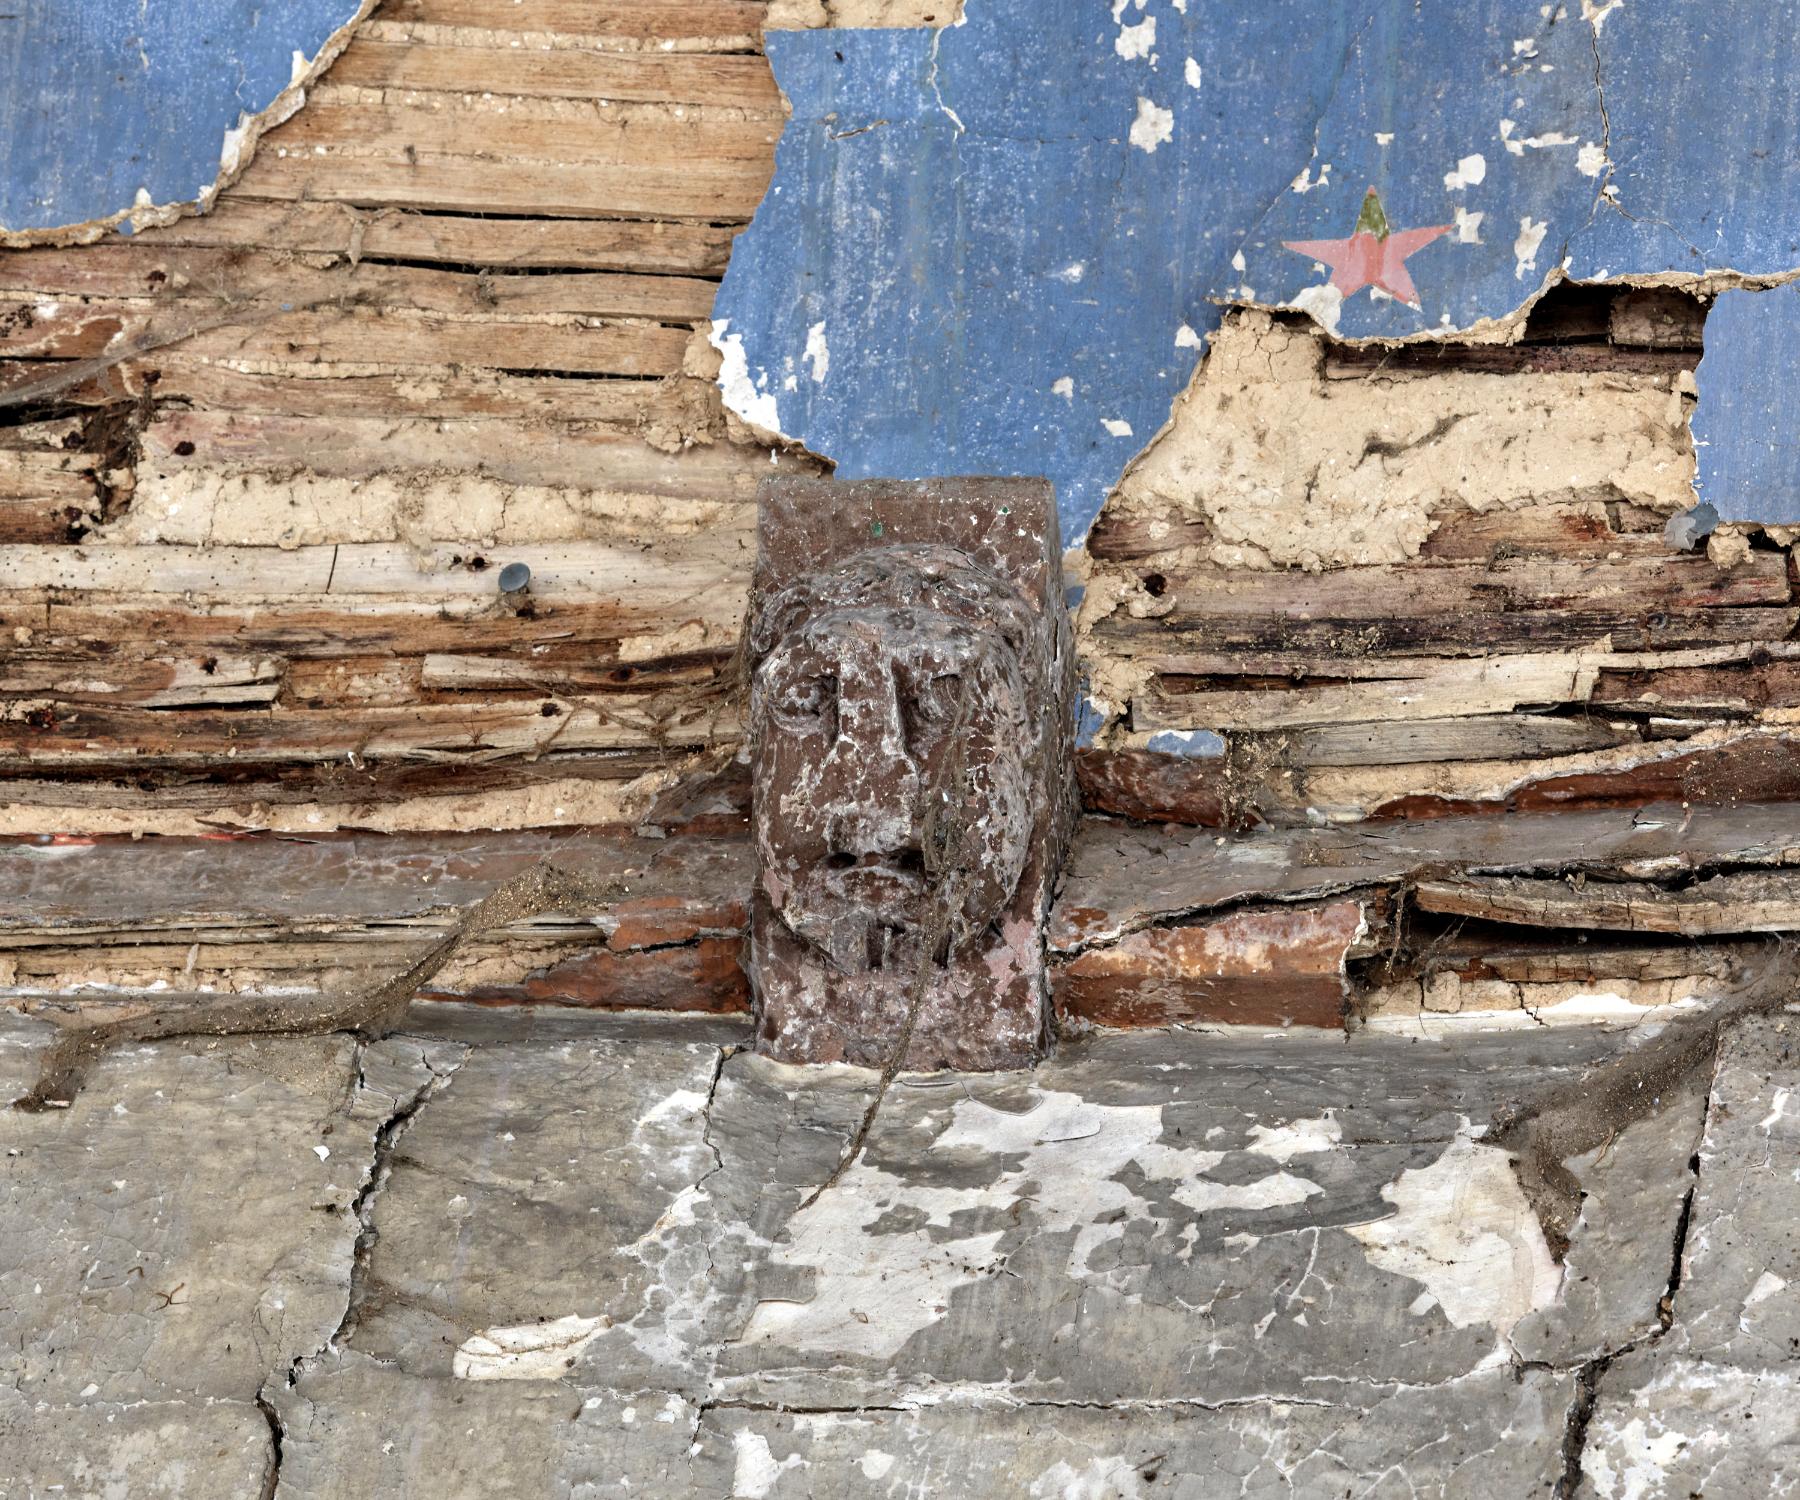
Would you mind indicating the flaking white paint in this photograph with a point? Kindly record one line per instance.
(526, 1351)
(1153, 125)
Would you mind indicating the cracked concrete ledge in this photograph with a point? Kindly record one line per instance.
(558, 1252)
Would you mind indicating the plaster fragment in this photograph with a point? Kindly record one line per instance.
(1152, 127)
(1469, 171)
(1525, 247)
(1136, 41)
(526, 1351)
(1463, 1230)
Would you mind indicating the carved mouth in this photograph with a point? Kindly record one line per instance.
(908, 864)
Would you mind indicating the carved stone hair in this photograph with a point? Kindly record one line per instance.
(922, 575)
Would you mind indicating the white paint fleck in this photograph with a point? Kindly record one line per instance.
(1073, 272)
(1191, 71)
(526, 1351)
(1324, 304)
(1525, 247)
(1767, 1285)
(682, 1104)
(1536, 142)
(321, 1152)
(1384, 137)
(1591, 160)
(1468, 226)
(742, 394)
(1777, 1108)
(1470, 170)
(756, 1470)
(817, 353)
(1064, 386)
(1152, 127)
(1116, 426)
(1278, 1190)
(1525, 47)
(1463, 1230)
(1136, 41)
(1283, 1143)
(1305, 182)
(1186, 338)
(1645, 1458)
(1057, 1163)
(1111, 1477)
(1595, 15)
(875, 1464)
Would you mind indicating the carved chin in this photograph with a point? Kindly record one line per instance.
(873, 917)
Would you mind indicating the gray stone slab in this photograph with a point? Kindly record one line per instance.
(1622, 1252)
(1739, 1300)
(1182, 1218)
(1491, 1434)
(187, 1226)
(1670, 1428)
(158, 1450)
(359, 1430)
(539, 1216)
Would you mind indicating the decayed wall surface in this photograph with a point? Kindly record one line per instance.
(260, 471)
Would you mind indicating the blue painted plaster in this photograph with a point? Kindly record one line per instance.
(104, 100)
(1746, 437)
(1002, 280)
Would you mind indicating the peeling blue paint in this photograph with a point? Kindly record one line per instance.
(1193, 744)
(1008, 284)
(1745, 435)
(106, 106)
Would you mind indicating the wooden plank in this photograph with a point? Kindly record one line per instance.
(1479, 685)
(1665, 582)
(725, 192)
(403, 127)
(1283, 967)
(1735, 903)
(645, 20)
(1490, 628)
(694, 575)
(351, 336)
(84, 626)
(241, 220)
(1746, 688)
(1520, 737)
(148, 681)
(656, 77)
(206, 278)
(38, 521)
(1120, 878)
(35, 734)
(590, 457)
(53, 477)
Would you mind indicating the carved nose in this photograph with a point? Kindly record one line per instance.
(871, 783)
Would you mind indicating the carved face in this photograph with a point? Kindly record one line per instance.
(881, 727)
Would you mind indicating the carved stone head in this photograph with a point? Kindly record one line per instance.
(909, 723)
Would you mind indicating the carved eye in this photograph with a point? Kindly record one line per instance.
(805, 703)
(928, 705)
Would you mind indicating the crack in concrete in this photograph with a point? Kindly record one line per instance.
(362, 1208)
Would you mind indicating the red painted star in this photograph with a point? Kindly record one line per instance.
(1373, 256)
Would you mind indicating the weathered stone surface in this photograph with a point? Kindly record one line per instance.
(910, 680)
(158, 1450)
(524, 1229)
(357, 1430)
(1739, 1300)
(186, 1227)
(1171, 1218)
(1669, 1428)
(1490, 1434)
(1277, 1264)
(1620, 1257)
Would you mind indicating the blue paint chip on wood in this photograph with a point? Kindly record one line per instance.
(997, 248)
(1745, 435)
(106, 105)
